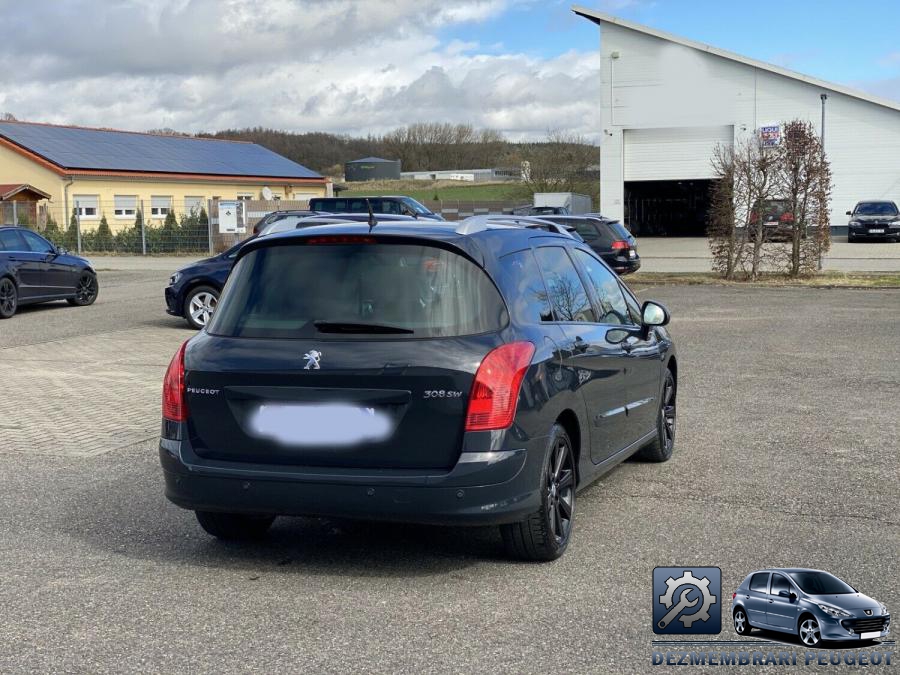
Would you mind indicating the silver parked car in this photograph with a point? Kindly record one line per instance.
(812, 604)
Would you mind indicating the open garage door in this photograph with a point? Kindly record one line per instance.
(679, 153)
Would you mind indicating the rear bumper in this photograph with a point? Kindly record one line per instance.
(482, 489)
(626, 267)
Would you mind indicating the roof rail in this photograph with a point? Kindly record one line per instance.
(480, 223)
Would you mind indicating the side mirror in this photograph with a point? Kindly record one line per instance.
(849, 214)
(784, 594)
(60, 251)
(654, 314)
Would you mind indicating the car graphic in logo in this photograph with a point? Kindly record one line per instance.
(312, 360)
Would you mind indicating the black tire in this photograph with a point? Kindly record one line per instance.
(199, 304)
(740, 622)
(546, 533)
(86, 290)
(234, 525)
(660, 450)
(851, 239)
(9, 298)
(809, 631)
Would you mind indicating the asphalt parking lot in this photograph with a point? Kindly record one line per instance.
(786, 455)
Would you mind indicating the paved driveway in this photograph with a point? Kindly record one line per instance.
(787, 455)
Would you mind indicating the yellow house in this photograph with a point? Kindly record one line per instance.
(101, 172)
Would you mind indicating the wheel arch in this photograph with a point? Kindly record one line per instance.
(569, 421)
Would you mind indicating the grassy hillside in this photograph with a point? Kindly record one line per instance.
(423, 190)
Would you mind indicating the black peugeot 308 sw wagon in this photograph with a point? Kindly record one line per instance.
(439, 373)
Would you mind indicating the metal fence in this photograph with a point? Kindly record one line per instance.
(131, 226)
(161, 226)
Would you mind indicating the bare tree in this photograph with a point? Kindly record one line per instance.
(804, 181)
(560, 164)
(746, 187)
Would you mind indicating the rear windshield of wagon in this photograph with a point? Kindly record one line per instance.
(355, 290)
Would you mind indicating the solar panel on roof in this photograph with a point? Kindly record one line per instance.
(74, 148)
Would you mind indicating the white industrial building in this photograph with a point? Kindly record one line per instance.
(667, 101)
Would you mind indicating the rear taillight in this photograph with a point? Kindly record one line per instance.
(733, 596)
(495, 392)
(620, 245)
(174, 407)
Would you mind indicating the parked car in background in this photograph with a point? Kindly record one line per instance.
(774, 215)
(811, 604)
(193, 291)
(876, 219)
(397, 205)
(529, 210)
(285, 225)
(418, 372)
(291, 216)
(607, 237)
(34, 270)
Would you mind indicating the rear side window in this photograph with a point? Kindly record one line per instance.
(285, 291)
(524, 288)
(759, 582)
(10, 240)
(568, 295)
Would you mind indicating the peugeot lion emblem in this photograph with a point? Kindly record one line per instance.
(868, 612)
(312, 360)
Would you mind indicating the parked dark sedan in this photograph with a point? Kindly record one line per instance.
(397, 205)
(422, 372)
(33, 270)
(607, 237)
(874, 220)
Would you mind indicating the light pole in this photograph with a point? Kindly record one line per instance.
(823, 97)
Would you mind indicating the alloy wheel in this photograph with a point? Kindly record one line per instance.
(561, 490)
(740, 622)
(7, 297)
(86, 291)
(201, 307)
(809, 632)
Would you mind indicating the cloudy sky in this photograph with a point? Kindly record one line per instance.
(367, 66)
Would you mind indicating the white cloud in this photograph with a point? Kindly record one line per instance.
(356, 66)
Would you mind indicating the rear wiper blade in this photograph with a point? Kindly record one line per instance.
(347, 327)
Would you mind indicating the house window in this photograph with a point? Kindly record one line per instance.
(193, 205)
(244, 196)
(160, 207)
(87, 206)
(125, 206)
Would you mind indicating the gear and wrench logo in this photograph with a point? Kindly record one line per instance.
(683, 598)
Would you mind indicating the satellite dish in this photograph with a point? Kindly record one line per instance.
(267, 194)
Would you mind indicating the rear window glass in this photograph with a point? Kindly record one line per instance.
(619, 230)
(285, 291)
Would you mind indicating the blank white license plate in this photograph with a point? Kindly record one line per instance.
(869, 636)
(331, 424)
(632, 253)
(876, 231)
